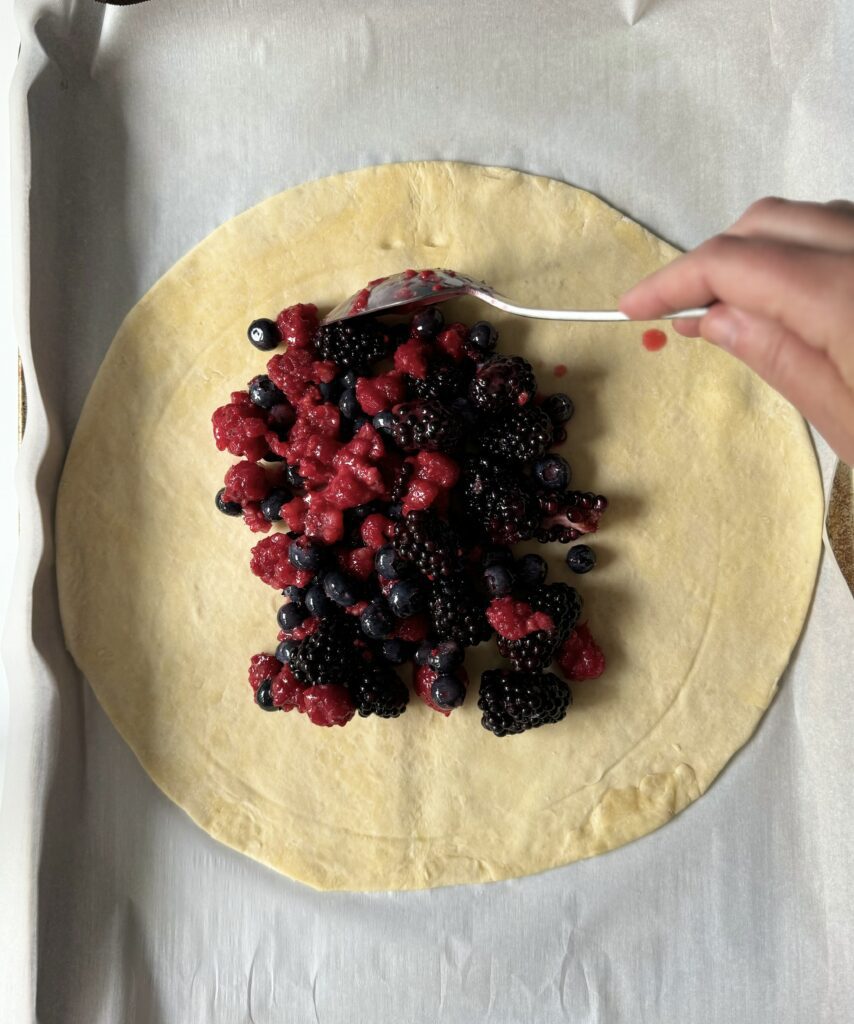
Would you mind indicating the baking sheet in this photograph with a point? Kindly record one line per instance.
(139, 130)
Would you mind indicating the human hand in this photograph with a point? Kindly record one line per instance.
(782, 283)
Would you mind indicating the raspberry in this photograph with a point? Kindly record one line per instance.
(413, 629)
(357, 562)
(323, 521)
(426, 425)
(514, 619)
(518, 435)
(412, 358)
(513, 702)
(376, 689)
(285, 690)
(327, 705)
(452, 341)
(430, 476)
(375, 394)
(376, 531)
(501, 383)
(296, 374)
(245, 482)
(300, 632)
(298, 325)
(240, 429)
(293, 513)
(581, 657)
(353, 344)
(262, 668)
(255, 518)
(422, 681)
(270, 563)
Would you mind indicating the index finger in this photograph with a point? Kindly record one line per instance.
(809, 291)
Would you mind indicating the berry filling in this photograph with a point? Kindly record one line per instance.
(393, 496)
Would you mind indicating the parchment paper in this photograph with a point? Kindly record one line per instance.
(138, 130)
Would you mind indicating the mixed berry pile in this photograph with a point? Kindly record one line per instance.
(404, 460)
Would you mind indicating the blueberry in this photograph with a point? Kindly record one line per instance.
(361, 512)
(286, 650)
(316, 601)
(447, 692)
(581, 558)
(531, 570)
(427, 323)
(264, 334)
(552, 472)
(497, 556)
(388, 563)
(395, 511)
(349, 404)
(445, 657)
(230, 508)
(330, 391)
(264, 393)
(383, 421)
(359, 422)
(396, 652)
(290, 616)
(559, 408)
(377, 621)
(483, 337)
(422, 652)
(294, 594)
(305, 556)
(339, 588)
(293, 478)
(498, 579)
(271, 506)
(264, 696)
(406, 598)
(348, 380)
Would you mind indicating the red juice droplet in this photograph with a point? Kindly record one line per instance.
(560, 370)
(654, 340)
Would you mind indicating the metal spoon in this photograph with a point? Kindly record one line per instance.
(414, 288)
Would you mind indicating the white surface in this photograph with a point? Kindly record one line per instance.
(152, 124)
(8, 360)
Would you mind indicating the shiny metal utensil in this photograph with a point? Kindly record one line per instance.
(415, 288)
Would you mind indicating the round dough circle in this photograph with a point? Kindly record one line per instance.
(707, 554)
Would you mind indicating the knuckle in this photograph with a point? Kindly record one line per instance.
(761, 209)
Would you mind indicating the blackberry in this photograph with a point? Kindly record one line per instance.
(353, 344)
(567, 515)
(498, 499)
(533, 652)
(444, 381)
(501, 383)
(518, 435)
(426, 424)
(559, 600)
(327, 655)
(457, 613)
(513, 702)
(376, 689)
(428, 542)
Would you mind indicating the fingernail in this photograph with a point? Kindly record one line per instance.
(721, 328)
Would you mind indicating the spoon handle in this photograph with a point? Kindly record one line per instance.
(574, 314)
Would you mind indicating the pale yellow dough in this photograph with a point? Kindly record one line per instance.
(707, 555)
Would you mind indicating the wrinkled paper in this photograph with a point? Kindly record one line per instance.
(139, 129)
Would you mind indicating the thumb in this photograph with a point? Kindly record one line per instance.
(801, 373)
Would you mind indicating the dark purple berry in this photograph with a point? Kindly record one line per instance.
(447, 692)
(229, 508)
(264, 334)
(581, 558)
